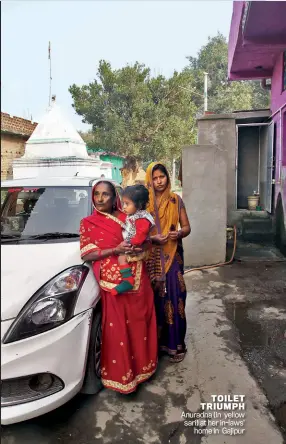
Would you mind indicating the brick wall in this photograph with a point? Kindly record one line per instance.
(17, 125)
(15, 131)
(11, 147)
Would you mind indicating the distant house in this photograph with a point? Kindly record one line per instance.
(15, 131)
(116, 160)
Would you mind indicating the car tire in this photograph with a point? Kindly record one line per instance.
(92, 382)
(280, 232)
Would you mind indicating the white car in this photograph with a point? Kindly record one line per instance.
(50, 302)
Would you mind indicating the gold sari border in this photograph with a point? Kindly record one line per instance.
(110, 216)
(140, 257)
(131, 386)
(88, 249)
(110, 285)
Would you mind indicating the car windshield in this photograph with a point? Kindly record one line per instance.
(43, 213)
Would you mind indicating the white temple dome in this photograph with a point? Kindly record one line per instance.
(55, 137)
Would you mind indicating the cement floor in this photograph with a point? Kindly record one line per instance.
(236, 325)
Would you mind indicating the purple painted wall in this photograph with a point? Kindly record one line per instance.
(257, 37)
(237, 12)
(257, 41)
(278, 104)
(284, 137)
(280, 166)
(278, 97)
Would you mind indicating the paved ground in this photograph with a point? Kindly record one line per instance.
(236, 325)
(249, 251)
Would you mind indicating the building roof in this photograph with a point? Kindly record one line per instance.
(239, 115)
(54, 127)
(17, 125)
(257, 36)
(55, 137)
(102, 152)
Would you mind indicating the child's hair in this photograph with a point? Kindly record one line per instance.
(138, 194)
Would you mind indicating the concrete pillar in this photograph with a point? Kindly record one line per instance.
(222, 132)
(205, 197)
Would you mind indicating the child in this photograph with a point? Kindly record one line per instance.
(137, 228)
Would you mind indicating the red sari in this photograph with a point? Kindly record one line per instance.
(129, 331)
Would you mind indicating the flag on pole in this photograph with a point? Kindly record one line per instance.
(49, 50)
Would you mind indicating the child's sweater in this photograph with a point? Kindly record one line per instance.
(137, 227)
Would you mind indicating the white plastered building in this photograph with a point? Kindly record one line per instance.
(55, 149)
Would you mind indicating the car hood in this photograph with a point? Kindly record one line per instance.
(25, 268)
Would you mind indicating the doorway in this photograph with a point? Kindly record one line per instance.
(255, 164)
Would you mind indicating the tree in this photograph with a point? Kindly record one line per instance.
(151, 118)
(223, 96)
(135, 114)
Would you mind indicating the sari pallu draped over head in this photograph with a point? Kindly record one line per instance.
(129, 332)
(102, 231)
(166, 214)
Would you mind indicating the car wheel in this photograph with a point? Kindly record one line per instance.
(92, 382)
(280, 235)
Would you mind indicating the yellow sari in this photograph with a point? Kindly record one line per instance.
(166, 213)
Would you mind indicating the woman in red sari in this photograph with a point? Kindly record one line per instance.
(129, 332)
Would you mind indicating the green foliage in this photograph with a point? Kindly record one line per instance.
(151, 118)
(133, 113)
(223, 96)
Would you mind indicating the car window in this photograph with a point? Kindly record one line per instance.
(34, 211)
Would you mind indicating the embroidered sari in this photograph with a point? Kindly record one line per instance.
(129, 332)
(166, 268)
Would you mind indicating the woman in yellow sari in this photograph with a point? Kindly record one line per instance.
(166, 262)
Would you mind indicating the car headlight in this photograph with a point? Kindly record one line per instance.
(52, 305)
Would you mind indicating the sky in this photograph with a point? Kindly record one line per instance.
(160, 34)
